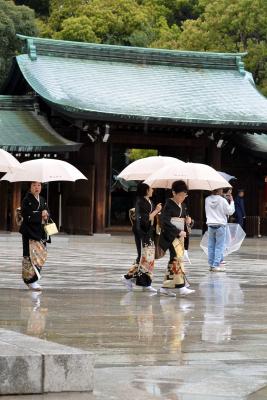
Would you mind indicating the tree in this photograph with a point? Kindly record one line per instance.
(136, 154)
(120, 22)
(239, 26)
(13, 19)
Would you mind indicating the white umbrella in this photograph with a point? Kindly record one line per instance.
(8, 163)
(144, 167)
(226, 176)
(234, 238)
(196, 176)
(44, 170)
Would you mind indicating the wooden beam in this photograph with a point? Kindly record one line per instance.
(149, 140)
(16, 202)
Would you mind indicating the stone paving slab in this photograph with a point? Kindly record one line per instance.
(32, 365)
(147, 347)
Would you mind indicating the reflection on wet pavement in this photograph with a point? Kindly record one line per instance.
(211, 345)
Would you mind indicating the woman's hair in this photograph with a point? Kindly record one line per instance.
(30, 184)
(179, 186)
(142, 189)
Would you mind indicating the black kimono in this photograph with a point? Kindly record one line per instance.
(169, 239)
(33, 237)
(143, 230)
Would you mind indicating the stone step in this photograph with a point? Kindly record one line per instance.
(32, 365)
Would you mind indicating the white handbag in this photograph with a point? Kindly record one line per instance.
(178, 223)
(50, 228)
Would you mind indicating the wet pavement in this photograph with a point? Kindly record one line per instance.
(209, 346)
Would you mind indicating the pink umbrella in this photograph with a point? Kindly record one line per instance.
(196, 176)
(144, 167)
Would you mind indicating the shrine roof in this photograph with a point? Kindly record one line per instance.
(23, 129)
(142, 84)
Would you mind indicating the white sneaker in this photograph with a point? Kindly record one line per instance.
(149, 289)
(35, 286)
(127, 282)
(217, 269)
(184, 291)
(166, 292)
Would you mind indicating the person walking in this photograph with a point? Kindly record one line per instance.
(35, 213)
(240, 213)
(217, 211)
(143, 228)
(173, 220)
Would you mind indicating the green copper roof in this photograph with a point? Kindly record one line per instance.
(137, 84)
(22, 129)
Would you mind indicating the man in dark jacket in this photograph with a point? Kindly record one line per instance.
(240, 213)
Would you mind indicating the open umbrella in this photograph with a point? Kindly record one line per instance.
(8, 163)
(233, 240)
(196, 176)
(226, 176)
(44, 170)
(144, 167)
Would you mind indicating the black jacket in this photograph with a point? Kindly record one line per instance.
(168, 231)
(142, 224)
(31, 211)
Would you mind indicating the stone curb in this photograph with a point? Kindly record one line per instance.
(32, 365)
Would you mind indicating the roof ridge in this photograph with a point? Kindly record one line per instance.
(59, 48)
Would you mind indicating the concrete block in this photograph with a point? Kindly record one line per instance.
(65, 372)
(58, 368)
(20, 370)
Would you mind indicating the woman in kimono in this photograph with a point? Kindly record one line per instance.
(143, 229)
(34, 212)
(173, 220)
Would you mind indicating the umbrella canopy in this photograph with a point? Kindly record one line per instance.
(233, 240)
(8, 163)
(226, 176)
(196, 176)
(44, 170)
(144, 167)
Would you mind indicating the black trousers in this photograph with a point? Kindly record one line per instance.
(26, 246)
(138, 243)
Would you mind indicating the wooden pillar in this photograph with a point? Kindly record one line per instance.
(15, 203)
(3, 205)
(101, 165)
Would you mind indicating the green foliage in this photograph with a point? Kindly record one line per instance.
(233, 26)
(136, 154)
(13, 19)
(121, 22)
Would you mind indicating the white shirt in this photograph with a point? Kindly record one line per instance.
(217, 209)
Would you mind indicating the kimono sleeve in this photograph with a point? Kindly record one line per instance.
(28, 213)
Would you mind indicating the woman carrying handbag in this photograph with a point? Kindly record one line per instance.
(35, 214)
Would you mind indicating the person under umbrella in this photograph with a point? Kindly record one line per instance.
(141, 272)
(34, 212)
(173, 220)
